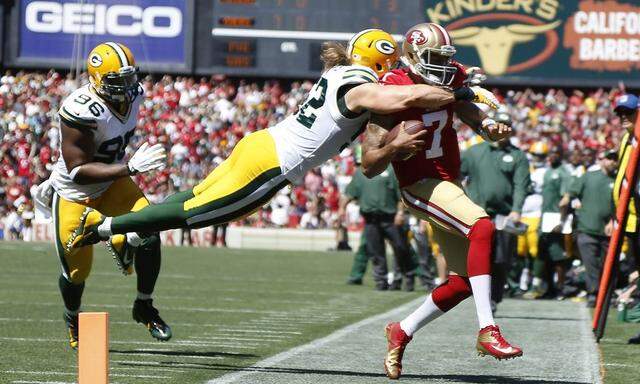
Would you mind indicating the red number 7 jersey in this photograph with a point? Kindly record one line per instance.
(441, 157)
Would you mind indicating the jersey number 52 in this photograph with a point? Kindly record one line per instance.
(306, 115)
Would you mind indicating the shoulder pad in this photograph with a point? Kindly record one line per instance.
(359, 74)
(82, 110)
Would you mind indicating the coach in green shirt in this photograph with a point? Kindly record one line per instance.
(380, 206)
(498, 180)
(594, 190)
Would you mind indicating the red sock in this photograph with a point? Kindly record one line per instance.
(450, 293)
(480, 242)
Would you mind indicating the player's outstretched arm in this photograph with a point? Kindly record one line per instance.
(394, 98)
(375, 155)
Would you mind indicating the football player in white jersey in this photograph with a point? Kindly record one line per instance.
(333, 115)
(97, 122)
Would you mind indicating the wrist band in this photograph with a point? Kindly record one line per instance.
(464, 93)
(132, 171)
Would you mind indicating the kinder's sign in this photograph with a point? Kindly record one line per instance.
(545, 42)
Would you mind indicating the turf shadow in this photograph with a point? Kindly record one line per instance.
(469, 379)
(182, 353)
(539, 318)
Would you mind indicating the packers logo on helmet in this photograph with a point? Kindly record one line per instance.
(374, 48)
(113, 72)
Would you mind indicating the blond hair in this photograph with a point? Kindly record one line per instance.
(334, 54)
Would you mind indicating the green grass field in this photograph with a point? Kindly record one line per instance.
(228, 309)
(621, 361)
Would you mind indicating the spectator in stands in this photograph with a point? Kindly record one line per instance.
(595, 210)
(498, 180)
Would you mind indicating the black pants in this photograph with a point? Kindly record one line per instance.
(377, 228)
(504, 249)
(592, 249)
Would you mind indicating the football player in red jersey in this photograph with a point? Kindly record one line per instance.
(431, 190)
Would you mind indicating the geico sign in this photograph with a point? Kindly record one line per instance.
(100, 19)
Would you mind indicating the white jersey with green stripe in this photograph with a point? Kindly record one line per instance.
(323, 125)
(85, 110)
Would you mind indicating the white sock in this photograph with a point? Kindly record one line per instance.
(104, 229)
(133, 239)
(143, 296)
(423, 315)
(537, 282)
(481, 288)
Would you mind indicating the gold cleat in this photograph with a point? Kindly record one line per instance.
(87, 231)
(397, 341)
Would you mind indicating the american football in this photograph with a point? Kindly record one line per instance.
(219, 191)
(411, 127)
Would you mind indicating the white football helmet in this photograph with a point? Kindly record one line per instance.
(427, 50)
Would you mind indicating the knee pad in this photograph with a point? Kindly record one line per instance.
(452, 292)
(480, 244)
(482, 230)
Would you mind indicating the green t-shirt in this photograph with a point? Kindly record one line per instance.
(379, 195)
(498, 178)
(554, 185)
(594, 189)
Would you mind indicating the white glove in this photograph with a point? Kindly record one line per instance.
(43, 198)
(147, 159)
(475, 76)
(485, 97)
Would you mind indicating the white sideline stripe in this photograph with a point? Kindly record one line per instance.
(147, 363)
(262, 341)
(10, 319)
(41, 382)
(183, 309)
(339, 334)
(592, 362)
(47, 382)
(153, 343)
(75, 373)
(141, 367)
(285, 34)
(180, 356)
(244, 330)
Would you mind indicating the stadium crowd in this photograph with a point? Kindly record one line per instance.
(200, 120)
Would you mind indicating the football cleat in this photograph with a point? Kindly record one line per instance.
(123, 253)
(490, 342)
(397, 341)
(72, 327)
(144, 312)
(87, 231)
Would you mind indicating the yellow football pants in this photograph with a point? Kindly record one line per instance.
(528, 242)
(122, 196)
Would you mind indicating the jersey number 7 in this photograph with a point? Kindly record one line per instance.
(435, 121)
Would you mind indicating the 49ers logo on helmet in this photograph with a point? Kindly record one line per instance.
(416, 37)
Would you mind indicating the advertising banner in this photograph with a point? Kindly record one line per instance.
(57, 32)
(545, 42)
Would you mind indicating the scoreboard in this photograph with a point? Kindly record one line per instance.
(283, 37)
